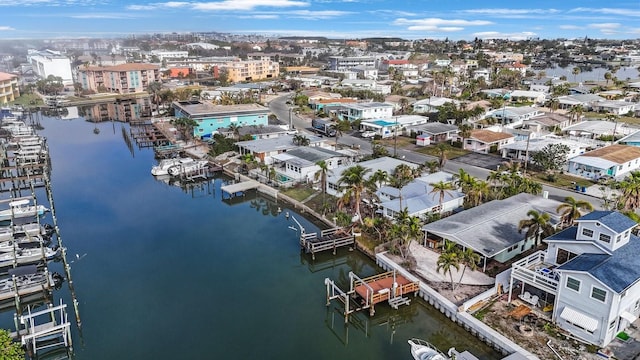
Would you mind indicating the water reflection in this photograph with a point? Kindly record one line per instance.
(119, 110)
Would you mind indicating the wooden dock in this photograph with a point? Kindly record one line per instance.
(366, 293)
(329, 239)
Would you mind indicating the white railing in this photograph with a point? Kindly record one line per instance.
(521, 270)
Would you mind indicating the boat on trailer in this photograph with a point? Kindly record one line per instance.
(21, 209)
(166, 164)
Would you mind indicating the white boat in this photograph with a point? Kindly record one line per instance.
(22, 242)
(26, 230)
(27, 256)
(21, 209)
(188, 168)
(422, 350)
(25, 280)
(163, 167)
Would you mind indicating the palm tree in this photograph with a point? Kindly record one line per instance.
(341, 126)
(354, 181)
(570, 209)
(234, 128)
(469, 259)
(477, 192)
(575, 112)
(441, 189)
(607, 76)
(402, 175)
(301, 140)
(379, 178)
(553, 104)
(537, 225)
(465, 132)
(630, 191)
(463, 179)
(446, 261)
(575, 72)
(443, 149)
(431, 166)
(154, 89)
(322, 175)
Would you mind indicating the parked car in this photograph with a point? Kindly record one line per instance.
(368, 134)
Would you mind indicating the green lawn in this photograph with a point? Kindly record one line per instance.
(452, 153)
(622, 119)
(27, 100)
(299, 192)
(562, 180)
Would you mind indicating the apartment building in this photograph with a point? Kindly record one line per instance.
(341, 63)
(50, 62)
(8, 87)
(250, 70)
(121, 79)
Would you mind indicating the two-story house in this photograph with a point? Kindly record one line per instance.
(589, 276)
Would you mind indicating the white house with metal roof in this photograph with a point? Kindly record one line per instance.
(491, 229)
(431, 104)
(386, 164)
(433, 132)
(300, 165)
(588, 277)
(519, 149)
(386, 127)
(419, 198)
(264, 149)
(511, 116)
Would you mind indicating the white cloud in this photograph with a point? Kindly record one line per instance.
(570, 27)
(225, 5)
(604, 26)
(6, 28)
(437, 24)
(507, 12)
(259, 16)
(315, 15)
(500, 35)
(102, 16)
(391, 13)
(608, 11)
(18, 3)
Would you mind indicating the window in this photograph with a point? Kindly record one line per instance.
(605, 238)
(587, 232)
(598, 294)
(618, 238)
(562, 256)
(573, 284)
(612, 325)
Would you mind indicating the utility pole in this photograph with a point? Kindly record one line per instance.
(526, 154)
(395, 139)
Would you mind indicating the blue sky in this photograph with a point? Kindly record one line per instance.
(410, 19)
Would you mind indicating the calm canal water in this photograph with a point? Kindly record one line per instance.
(164, 273)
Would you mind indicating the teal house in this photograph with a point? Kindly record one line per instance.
(212, 117)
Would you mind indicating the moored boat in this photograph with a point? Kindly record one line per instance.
(163, 167)
(27, 256)
(22, 242)
(187, 168)
(21, 209)
(422, 350)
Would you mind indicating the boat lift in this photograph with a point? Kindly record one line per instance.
(389, 286)
(54, 332)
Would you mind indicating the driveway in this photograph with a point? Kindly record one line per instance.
(485, 161)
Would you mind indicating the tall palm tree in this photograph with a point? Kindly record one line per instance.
(447, 261)
(354, 181)
(570, 209)
(575, 112)
(576, 70)
(463, 179)
(341, 126)
(431, 166)
(553, 104)
(234, 128)
(443, 149)
(469, 259)
(322, 175)
(477, 192)
(441, 188)
(379, 178)
(402, 175)
(630, 191)
(537, 225)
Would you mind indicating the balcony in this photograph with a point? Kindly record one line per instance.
(533, 271)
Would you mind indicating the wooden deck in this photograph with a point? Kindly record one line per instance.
(329, 239)
(380, 288)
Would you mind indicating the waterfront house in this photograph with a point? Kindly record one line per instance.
(300, 165)
(263, 150)
(613, 160)
(588, 277)
(387, 127)
(486, 141)
(491, 229)
(212, 117)
(418, 197)
(122, 79)
(385, 163)
(8, 87)
(256, 132)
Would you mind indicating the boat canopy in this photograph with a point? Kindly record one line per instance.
(23, 270)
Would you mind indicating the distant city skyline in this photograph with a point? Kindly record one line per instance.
(409, 19)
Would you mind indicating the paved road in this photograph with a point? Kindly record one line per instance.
(279, 107)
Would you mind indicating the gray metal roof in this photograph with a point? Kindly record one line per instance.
(492, 227)
(284, 142)
(611, 219)
(313, 154)
(435, 128)
(618, 271)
